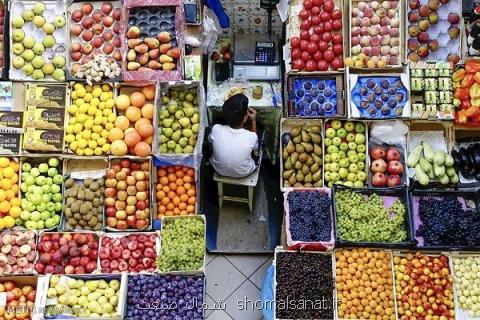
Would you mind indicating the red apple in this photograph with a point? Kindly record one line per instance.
(377, 153)
(97, 16)
(379, 180)
(87, 8)
(394, 180)
(87, 22)
(107, 8)
(395, 167)
(393, 154)
(77, 15)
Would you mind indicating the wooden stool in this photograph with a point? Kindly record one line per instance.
(248, 181)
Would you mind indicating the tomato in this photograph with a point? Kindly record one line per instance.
(317, 56)
(312, 47)
(304, 14)
(296, 53)
(303, 45)
(316, 20)
(327, 26)
(328, 6)
(317, 3)
(298, 64)
(316, 11)
(322, 45)
(328, 55)
(295, 42)
(322, 65)
(306, 56)
(307, 4)
(311, 65)
(337, 63)
(337, 25)
(336, 14)
(337, 38)
(325, 16)
(318, 29)
(326, 36)
(305, 25)
(337, 49)
(304, 35)
(315, 38)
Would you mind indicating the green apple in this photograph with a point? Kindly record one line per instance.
(28, 42)
(48, 28)
(342, 133)
(330, 184)
(334, 177)
(28, 55)
(58, 75)
(59, 61)
(26, 167)
(350, 137)
(332, 149)
(343, 146)
(336, 141)
(37, 74)
(361, 148)
(362, 176)
(352, 177)
(38, 63)
(352, 146)
(38, 21)
(359, 138)
(53, 162)
(327, 176)
(349, 126)
(49, 41)
(353, 168)
(327, 167)
(343, 163)
(334, 167)
(18, 22)
(336, 124)
(59, 21)
(328, 142)
(342, 154)
(28, 15)
(353, 158)
(361, 156)
(358, 184)
(361, 165)
(359, 127)
(18, 35)
(18, 62)
(38, 7)
(335, 157)
(327, 158)
(343, 172)
(330, 133)
(28, 69)
(38, 48)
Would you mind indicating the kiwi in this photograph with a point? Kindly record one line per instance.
(77, 216)
(87, 182)
(69, 201)
(75, 207)
(81, 194)
(97, 202)
(89, 195)
(72, 193)
(69, 183)
(94, 186)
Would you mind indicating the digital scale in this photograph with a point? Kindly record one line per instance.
(256, 57)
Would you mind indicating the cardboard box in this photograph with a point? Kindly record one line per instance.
(38, 140)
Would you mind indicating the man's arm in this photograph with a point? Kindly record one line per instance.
(252, 117)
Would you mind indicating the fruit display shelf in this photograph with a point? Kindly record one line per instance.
(315, 96)
(375, 218)
(445, 220)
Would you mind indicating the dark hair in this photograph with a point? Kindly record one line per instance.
(235, 109)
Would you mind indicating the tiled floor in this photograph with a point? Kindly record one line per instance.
(231, 281)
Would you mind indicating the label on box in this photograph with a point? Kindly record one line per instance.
(44, 118)
(43, 140)
(10, 143)
(6, 96)
(45, 95)
(11, 119)
(3, 299)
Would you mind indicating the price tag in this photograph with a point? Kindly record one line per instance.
(3, 299)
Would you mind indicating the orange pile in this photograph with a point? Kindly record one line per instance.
(9, 201)
(176, 191)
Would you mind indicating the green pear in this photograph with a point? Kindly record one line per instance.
(17, 49)
(176, 135)
(188, 149)
(183, 141)
(171, 144)
(48, 69)
(48, 28)
(167, 123)
(163, 148)
(28, 42)
(59, 21)
(195, 118)
(38, 62)
(176, 126)
(28, 15)
(58, 75)
(18, 35)
(167, 132)
(38, 21)
(179, 114)
(28, 55)
(195, 128)
(38, 48)
(18, 22)
(178, 149)
(172, 108)
(184, 122)
(163, 138)
(18, 62)
(192, 140)
(59, 61)
(38, 74)
(49, 41)
(28, 69)
(187, 133)
(189, 112)
(38, 7)
(164, 114)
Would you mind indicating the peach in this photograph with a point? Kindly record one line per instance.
(395, 42)
(107, 21)
(375, 41)
(412, 44)
(355, 12)
(107, 36)
(393, 60)
(385, 40)
(355, 41)
(356, 22)
(362, 5)
(381, 12)
(76, 46)
(374, 5)
(365, 22)
(394, 32)
(356, 49)
(385, 21)
(375, 20)
(87, 48)
(394, 22)
(368, 13)
(97, 42)
(413, 16)
(76, 56)
(384, 30)
(364, 41)
(364, 31)
(391, 13)
(87, 35)
(366, 50)
(384, 50)
(355, 32)
(108, 48)
(76, 30)
(374, 30)
(375, 51)
(394, 51)
(386, 5)
(97, 28)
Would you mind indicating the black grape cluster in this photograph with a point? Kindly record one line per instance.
(310, 218)
(446, 223)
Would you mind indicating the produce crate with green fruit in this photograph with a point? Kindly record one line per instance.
(316, 41)
(84, 194)
(446, 220)
(24, 296)
(37, 40)
(127, 195)
(94, 296)
(4, 43)
(182, 244)
(292, 270)
(154, 38)
(302, 153)
(316, 96)
(376, 34)
(41, 192)
(308, 219)
(466, 283)
(181, 120)
(431, 90)
(94, 44)
(345, 147)
(372, 217)
(427, 278)
(466, 88)
(67, 253)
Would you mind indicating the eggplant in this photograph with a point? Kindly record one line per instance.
(456, 159)
(465, 159)
(476, 154)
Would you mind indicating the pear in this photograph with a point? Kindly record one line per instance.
(188, 149)
(49, 41)
(195, 118)
(59, 21)
(163, 148)
(39, 49)
(183, 141)
(192, 140)
(176, 135)
(58, 74)
(59, 61)
(38, 74)
(167, 132)
(18, 22)
(189, 112)
(184, 122)
(176, 126)
(178, 149)
(187, 133)
(18, 35)
(28, 42)
(171, 144)
(38, 62)
(179, 114)
(195, 128)
(48, 68)
(28, 69)
(39, 8)
(38, 21)
(167, 123)
(28, 15)
(17, 49)
(18, 62)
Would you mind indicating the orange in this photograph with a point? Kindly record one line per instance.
(191, 200)
(160, 194)
(137, 99)
(191, 192)
(181, 190)
(182, 206)
(191, 172)
(170, 206)
(162, 209)
(166, 189)
(115, 134)
(162, 172)
(176, 211)
(158, 187)
(172, 177)
(163, 181)
(149, 92)
(190, 209)
(180, 174)
(187, 179)
(165, 201)
(187, 186)
(11, 196)
(122, 122)
(171, 195)
(183, 213)
(147, 111)
(172, 186)
(170, 169)
(184, 198)
(179, 182)
(4, 206)
(176, 201)
(168, 213)
(133, 114)
(3, 195)
(15, 212)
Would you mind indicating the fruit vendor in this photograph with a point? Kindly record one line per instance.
(234, 142)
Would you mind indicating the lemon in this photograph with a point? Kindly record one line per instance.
(97, 92)
(86, 134)
(8, 221)
(74, 145)
(69, 138)
(112, 117)
(107, 112)
(92, 110)
(89, 152)
(110, 94)
(72, 120)
(8, 172)
(80, 152)
(82, 144)
(97, 128)
(95, 136)
(4, 162)
(98, 151)
(106, 147)
(97, 121)
(94, 102)
(88, 97)
(101, 141)
(106, 87)
(69, 129)
(88, 124)
(99, 114)
(109, 126)
(72, 109)
(79, 102)
(77, 127)
(84, 108)
(78, 85)
(88, 88)
(81, 92)
(74, 95)
(92, 144)
(104, 133)
(110, 103)
(104, 96)
(82, 118)
(101, 105)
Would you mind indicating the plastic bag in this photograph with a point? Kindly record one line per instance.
(211, 31)
(390, 132)
(268, 294)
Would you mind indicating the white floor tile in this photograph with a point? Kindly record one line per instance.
(210, 257)
(259, 276)
(247, 264)
(222, 278)
(245, 303)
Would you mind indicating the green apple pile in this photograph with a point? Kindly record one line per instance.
(345, 153)
(91, 298)
(41, 194)
(302, 157)
(37, 59)
(179, 121)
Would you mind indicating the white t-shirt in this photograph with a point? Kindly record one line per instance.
(232, 151)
